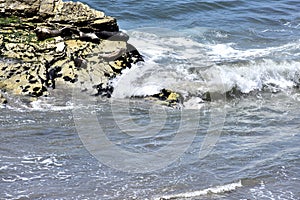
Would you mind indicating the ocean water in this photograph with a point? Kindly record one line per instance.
(244, 144)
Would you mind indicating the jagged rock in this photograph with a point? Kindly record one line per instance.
(2, 99)
(167, 97)
(50, 44)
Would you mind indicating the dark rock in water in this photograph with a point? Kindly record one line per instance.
(2, 99)
(104, 91)
(166, 97)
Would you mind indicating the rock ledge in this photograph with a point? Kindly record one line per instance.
(47, 44)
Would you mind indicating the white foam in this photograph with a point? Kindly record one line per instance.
(4, 167)
(194, 103)
(9, 180)
(261, 192)
(47, 161)
(47, 104)
(147, 90)
(268, 73)
(190, 67)
(213, 190)
(228, 51)
(132, 83)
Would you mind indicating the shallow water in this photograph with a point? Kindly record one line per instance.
(243, 146)
(255, 157)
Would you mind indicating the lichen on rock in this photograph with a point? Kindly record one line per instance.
(51, 44)
(48, 44)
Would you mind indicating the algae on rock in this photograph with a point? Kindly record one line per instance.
(48, 44)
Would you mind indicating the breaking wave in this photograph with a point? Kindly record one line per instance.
(212, 190)
(192, 67)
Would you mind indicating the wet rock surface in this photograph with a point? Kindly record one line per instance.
(167, 97)
(46, 44)
(49, 44)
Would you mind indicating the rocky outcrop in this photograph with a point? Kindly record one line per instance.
(46, 44)
(49, 44)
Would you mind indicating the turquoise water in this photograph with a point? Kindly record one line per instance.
(241, 146)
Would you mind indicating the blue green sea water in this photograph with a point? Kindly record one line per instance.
(241, 146)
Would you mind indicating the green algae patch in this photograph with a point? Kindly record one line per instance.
(9, 20)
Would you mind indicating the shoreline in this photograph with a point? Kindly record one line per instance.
(62, 44)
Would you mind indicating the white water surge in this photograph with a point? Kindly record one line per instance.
(192, 67)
